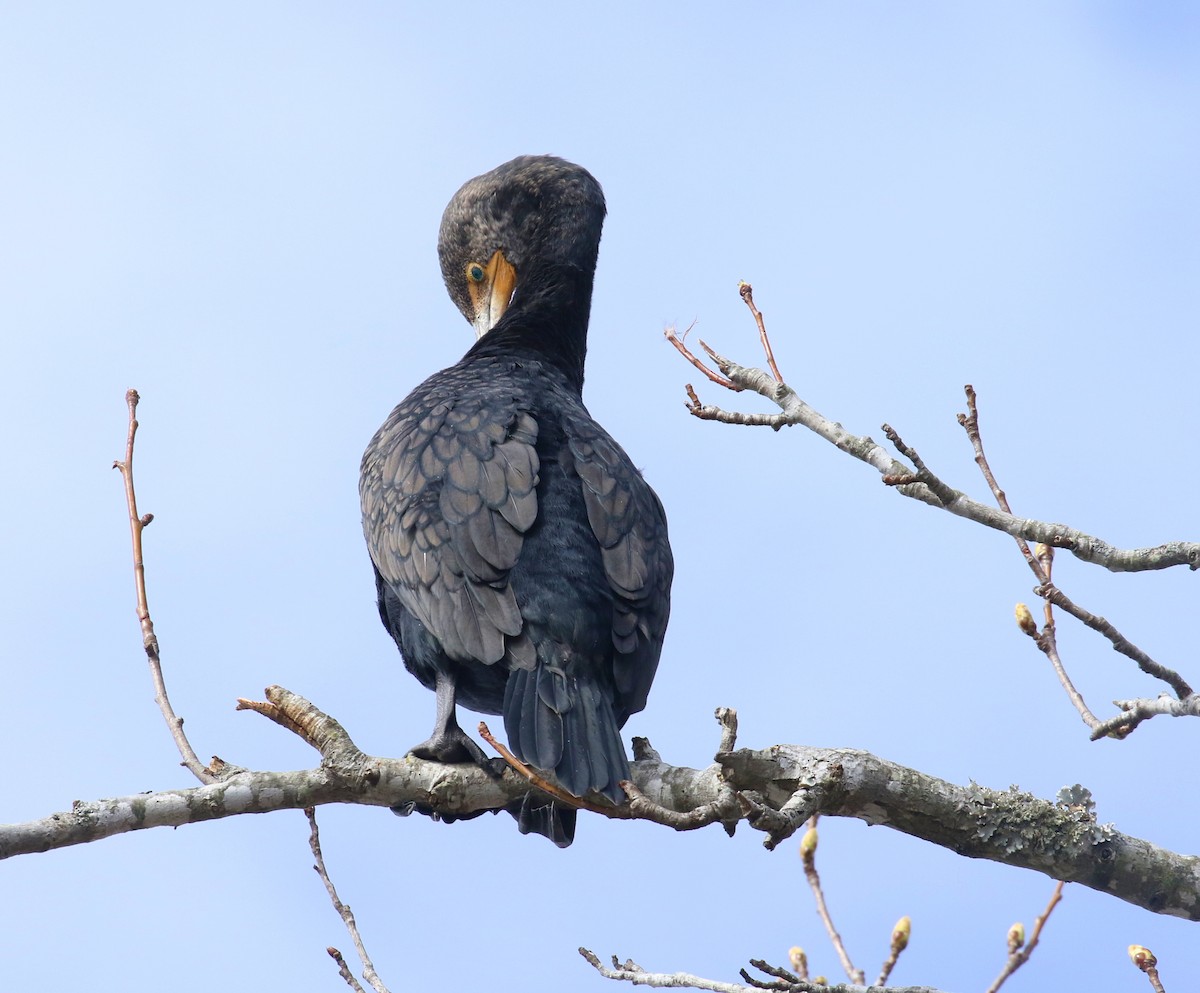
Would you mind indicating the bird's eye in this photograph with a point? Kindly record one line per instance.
(475, 272)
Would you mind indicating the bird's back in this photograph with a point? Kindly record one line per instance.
(524, 551)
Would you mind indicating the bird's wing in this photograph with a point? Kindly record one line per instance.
(448, 491)
(631, 529)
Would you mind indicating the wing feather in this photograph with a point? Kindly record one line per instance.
(631, 529)
(449, 489)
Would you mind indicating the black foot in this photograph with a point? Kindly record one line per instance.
(453, 746)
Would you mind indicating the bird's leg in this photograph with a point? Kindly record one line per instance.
(449, 743)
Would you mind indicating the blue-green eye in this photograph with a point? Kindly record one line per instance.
(475, 272)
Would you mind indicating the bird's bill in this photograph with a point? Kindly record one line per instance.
(491, 297)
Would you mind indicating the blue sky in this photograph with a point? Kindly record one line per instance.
(234, 209)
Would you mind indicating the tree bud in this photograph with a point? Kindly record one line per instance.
(1025, 620)
(1016, 937)
(1142, 957)
(808, 845)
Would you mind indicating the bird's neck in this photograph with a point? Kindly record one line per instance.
(548, 316)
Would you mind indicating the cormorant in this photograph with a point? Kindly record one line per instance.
(521, 561)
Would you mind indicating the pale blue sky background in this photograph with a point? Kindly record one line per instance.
(233, 208)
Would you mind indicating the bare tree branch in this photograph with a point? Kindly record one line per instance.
(917, 481)
(631, 972)
(774, 789)
(1083, 546)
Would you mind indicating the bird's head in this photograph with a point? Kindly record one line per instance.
(534, 207)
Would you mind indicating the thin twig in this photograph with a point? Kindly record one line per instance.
(137, 524)
(1047, 641)
(347, 916)
(808, 853)
(675, 339)
(344, 970)
(970, 423)
(1041, 564)
(747, 292)
(542, 783)
(900, 937)
(1119, 642)
(1018, 955)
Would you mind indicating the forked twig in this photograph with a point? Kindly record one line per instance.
(793, 410)
(1040, 562)
(137, 524)
(783, 981)
(677, 340)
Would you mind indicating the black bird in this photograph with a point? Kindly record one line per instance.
(521, 560)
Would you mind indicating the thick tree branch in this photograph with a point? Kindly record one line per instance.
(774, 790)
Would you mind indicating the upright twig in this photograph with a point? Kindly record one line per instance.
(137, 524)
(1018, 950)
(808, 854)
(970, 423)
(901, 934)
(347, 916)
(747, 292)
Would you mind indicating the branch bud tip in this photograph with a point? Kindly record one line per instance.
(1142, 957)
(1025, 620)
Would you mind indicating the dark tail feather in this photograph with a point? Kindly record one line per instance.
(565, 725)
(536, 813)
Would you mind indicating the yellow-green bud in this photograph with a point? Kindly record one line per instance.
(808, 845)
(1025, 620)
(1016, 937)
(1142, 957)
(799, 960)
(901, 933)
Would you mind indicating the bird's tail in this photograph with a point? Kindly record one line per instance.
(536, 813)
(565, 725)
